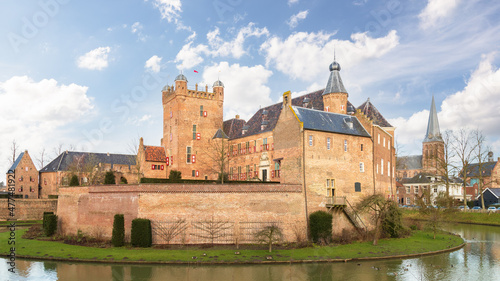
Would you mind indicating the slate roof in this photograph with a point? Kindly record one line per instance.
(220, 135)
(319, 120)
(433, 132)
(419, 178)
(233, 127)
(370, 111)
(155, 153)
(473, 169)
(494, 191)
(16, 163)
(334, 84)
(413, 162)
(64, 160)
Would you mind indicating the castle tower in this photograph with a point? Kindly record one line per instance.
(218, 88)
(335, 96)
(433, 145)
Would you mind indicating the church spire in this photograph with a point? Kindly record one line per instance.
(433, 132)
(334, 84)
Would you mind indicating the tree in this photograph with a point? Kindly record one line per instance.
(212, 229)
(320, 226)
(217, 155)
(74, 181)
(13, 150)
(269, 234)
(134, 149)
(118, 235)
(481, 155)
(380, 208)
(445, 166)
(463, 149)
(109, 178)
(169, 230)
(41, 158)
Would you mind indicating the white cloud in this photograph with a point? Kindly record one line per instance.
(136, 27)
(34, 112)
(294, 20)
(305, 55)
(136, 121)
(435, 11)
(153, 63)
(239, 98)
(291, 2)
(169, 9)
(190, 56)
(476, 106)
(96, 59)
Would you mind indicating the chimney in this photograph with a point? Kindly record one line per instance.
(107, 153)
(490, 156)
(237, 116)
(348, 121)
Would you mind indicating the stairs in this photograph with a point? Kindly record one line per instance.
(354, 218)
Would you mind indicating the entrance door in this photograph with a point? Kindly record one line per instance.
(264, 175)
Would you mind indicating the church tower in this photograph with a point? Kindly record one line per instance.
(335, 96)
(433, 145)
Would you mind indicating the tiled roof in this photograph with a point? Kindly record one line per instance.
(319, 120)
(155, 153)
(419, 178)
(65, 159)
(370, 111)
(473, 169)
(494, 191)
(413, 162)
(16, 163)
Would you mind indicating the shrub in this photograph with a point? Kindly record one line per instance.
(269, 235)
(118, 236)
(392, 223)
(174, 175)
(123, 180)
(50, 225)
(33, 232)
(109, 178)
(320, 225)
(141, 233)
(44, 221)
(74, 181)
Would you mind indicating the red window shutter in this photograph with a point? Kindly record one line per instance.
(267, 146)
(162, 167)
(261, 147)
(272, 146)
(193, 158)
(272, 174)
(256, 173)
(171, 160)
(168, 161)
(255, 149)
(198, 136)
(197, 173)
(152, 167)
(205, 114)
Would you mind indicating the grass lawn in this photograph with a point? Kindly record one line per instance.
(460, 217)
(20, 222)
(419, 242)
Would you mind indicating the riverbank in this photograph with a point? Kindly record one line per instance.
(420, 243)
(492, 219)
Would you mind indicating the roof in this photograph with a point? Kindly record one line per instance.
(433, 132)
(494, 191)
(220, 135)
(419, 178)
(155, 153)
(16, 163)
(487, 168)
(370, 111)
(319, 120)
(334, 84)
(65, 159)
(413, 162)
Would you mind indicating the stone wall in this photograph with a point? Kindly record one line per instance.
(242, 208)
(28, 209)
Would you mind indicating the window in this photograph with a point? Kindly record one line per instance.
(193, 173)
(328, 143)
(342, 107)
(408, 202)
(239, 172)
(194, 132)
(310, 140)
(357, 187)
(389, 144)
(201, 110)
(345, 145)
(247, 146)
(361, 147)
(384, 141)
(188, 154)
(330, 187)
(415, 188)
(378, 138)
(327, 109)
(435, 190)
(361, 167)
(381, 166)
(408, 189)
(239, 147)
(377, 168)
(248, 170)
(389, 169)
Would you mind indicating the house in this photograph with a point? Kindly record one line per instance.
(26, 176)
(491, 196)
(427, 187)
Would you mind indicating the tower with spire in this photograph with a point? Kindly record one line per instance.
(335, 95)
(433, 145)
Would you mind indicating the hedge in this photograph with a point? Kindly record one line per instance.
(50, 224)
(118, 236)
(44, 222)
(320, 225)
(141, 233)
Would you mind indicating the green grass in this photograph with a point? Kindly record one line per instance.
(21, 222)
(419, 242)
(460, 217)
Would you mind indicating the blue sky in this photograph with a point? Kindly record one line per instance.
(87, 75)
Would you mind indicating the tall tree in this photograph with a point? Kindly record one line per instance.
(217, 155)
(481, 155)
(380, 208)
(41, 158)
(463, 147)
(13, 150)
(444, 162)
(133, 148)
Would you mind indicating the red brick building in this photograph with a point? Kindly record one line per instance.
(26, 176)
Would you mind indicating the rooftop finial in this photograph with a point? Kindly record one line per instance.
(334, 58)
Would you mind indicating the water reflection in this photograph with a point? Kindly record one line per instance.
(478, 260)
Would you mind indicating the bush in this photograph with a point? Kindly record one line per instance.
(118, 236)
(33, 232)
(320, 225)
(44, 219)
(74, 181)
(141, 233)
(174, 175)
(50, 224)
(392, 224)
(123, 180)
(109, 178)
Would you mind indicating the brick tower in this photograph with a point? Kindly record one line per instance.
(335, 96)
(433, 145)
(190, 119)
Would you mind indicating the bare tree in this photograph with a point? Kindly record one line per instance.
(133, 148)
(380, 209)
(212, 229)
(57, 150)
(481, 155)
(269, 235)
(170, 229)
(463, 148)
(13, 150)
(41, 158)
(87, 165)
(445, 166)
(217, 156)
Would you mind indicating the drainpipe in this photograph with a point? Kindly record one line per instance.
(304, 176)
(374, 162)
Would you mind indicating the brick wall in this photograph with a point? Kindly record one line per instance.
(28, 209)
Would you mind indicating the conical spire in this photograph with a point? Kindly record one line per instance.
(334, 84)
(433, 132)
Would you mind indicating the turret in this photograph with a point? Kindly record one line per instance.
(181, 84)
(335, 96)
(218, 89)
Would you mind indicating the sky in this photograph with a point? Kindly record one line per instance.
(87, 75)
